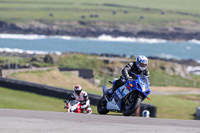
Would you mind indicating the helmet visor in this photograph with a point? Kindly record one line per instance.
(142, 64)
(78, 92)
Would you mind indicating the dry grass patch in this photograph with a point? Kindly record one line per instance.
(58, 79)
(173, 88)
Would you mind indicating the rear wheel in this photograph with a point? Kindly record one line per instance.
(131, 105)
(101, 107)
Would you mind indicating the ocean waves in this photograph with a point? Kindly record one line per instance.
(129, 39)
(31, 37)
(194, 69)
(194, 41)
(100, 38)
(40, 44)
(167, 56)
(16, 50)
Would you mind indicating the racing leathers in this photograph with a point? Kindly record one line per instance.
(126, 74)
(84, 101)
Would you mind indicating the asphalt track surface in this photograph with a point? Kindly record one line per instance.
(29, 121)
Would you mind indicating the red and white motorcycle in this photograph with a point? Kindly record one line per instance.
(74, 106)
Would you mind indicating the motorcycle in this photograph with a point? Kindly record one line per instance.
(127, 98)
(73, 106)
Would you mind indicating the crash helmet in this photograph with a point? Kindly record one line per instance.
(145, 113)
(142, 62)
(78, 89)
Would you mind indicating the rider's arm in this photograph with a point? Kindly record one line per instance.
(85, 97)
(85, 103)
(147, 74)
(72, 98)
(126, 69)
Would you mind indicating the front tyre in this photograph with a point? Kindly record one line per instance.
(130, 107)
(101, 107)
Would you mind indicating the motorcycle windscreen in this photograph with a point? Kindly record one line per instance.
(145, 79)
(74, 102)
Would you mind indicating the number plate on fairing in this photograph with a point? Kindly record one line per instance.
(118, 94)
(122, 91)
(126, 91)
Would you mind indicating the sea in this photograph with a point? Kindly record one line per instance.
(104, 44)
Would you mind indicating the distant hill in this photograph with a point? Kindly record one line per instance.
(166, 19)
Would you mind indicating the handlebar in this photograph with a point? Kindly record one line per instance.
(65, 101)
(133, 75)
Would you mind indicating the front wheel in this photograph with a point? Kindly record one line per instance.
(101, 107)
(131, 105)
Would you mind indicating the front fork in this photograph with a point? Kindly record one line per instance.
(131, 97)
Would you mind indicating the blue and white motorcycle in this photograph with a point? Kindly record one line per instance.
(127, 98)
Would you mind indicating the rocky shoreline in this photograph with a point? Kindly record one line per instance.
(93, 29)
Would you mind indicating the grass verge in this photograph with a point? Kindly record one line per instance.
(172, 106)
(14, 99)
(175, 106)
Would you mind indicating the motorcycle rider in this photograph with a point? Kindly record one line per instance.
(82, 97)
(138, 67)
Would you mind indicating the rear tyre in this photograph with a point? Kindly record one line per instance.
(131, 106)
(101, 107)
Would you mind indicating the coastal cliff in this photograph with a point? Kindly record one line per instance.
(95, 29)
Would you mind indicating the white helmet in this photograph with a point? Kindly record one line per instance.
(145, 113)
(142, 62)
(78, 89)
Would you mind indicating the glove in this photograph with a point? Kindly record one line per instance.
(130, 79)
(83, 102)
(83, 106)
(66, 102)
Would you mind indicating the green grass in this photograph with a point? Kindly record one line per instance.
(22, 11)
(175, 106)
(4, 60)
(80, 61)
(158, 78)
(14, 99)
(172, 107)
(191, 6)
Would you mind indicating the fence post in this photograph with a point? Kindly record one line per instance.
(8, 67)
(166, 82)
(16, 67)
(182, 83)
